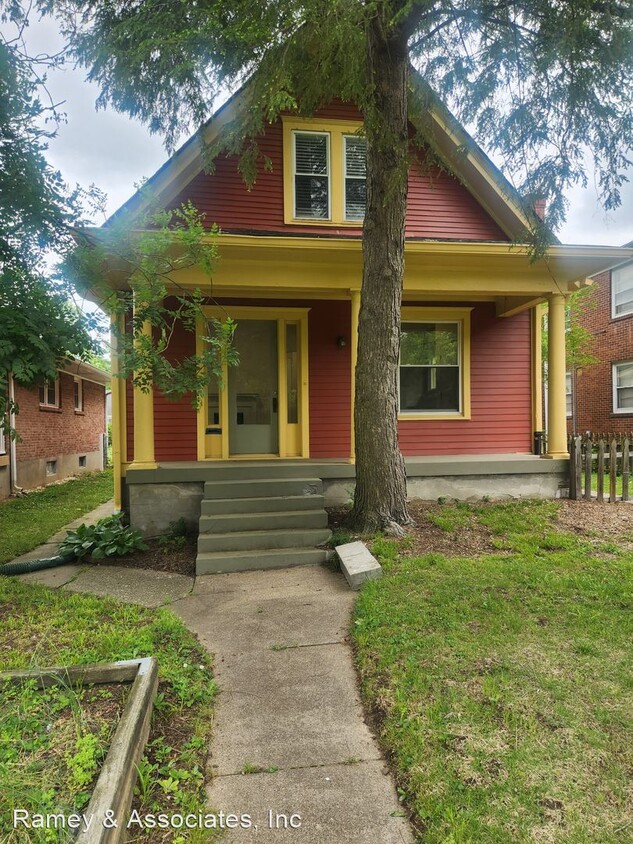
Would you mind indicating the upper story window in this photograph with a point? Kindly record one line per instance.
(568, 394)
(355, 177)
(49, 394)
(78, 388)
(312, 175)
(324, 172)
(622, 291)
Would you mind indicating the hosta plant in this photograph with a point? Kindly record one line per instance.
(107, 538)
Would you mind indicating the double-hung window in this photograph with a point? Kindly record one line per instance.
(623, 387)
(3, 442)
(568, 394)
(311, 175)
(49, 394)
(355, 158)
(622, 291)
(434, 375)
(325, 172)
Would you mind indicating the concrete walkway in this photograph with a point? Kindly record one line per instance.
(288, 705)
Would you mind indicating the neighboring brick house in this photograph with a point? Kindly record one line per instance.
(61, 426)
(600, 396)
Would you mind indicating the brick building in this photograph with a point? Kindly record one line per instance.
(600, 396)
(61, 426)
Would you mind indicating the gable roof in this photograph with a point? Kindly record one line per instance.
(444, 134)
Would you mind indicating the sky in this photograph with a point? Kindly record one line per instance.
(114, 152)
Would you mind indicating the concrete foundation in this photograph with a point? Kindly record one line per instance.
(35, 473)
(153, 506)
(463, 487)
(5, 481)
(156, 497)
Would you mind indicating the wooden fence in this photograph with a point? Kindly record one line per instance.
(601, 466)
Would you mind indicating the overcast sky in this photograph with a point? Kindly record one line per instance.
(113, 152)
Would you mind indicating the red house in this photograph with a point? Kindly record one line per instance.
(600, 395)
(290, 275)
(61, 426)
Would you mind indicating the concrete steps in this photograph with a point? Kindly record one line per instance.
(266, 521)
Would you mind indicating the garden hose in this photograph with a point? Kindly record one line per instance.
(37, 565)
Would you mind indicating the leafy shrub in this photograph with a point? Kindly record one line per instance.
(175, 536)
(107, 538)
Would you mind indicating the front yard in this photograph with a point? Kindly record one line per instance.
(30, 520)
(52, 743)
(499, 672)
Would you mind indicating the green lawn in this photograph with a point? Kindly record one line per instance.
(502, 685)
(28, 521)
(52, 742)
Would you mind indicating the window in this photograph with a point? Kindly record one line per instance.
(311, 175)
(622, 291)
(51, 467)
(78, 387)
(3, 442)
(623, 387)
(49, 394)
(355, 177)
(568, 403)
(324, 172)
(434, 378)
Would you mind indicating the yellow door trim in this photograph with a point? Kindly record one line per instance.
(282, 316)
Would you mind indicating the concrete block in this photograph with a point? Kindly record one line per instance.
(357, 564)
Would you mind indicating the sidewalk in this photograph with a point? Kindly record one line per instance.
(291, 747)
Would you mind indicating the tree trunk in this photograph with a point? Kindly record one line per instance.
(380, 501)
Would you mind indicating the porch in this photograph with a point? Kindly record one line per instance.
(176, 489)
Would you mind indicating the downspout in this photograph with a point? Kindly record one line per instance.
(13, 461)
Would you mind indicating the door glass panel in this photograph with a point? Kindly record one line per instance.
(292, 376)
(253, 384)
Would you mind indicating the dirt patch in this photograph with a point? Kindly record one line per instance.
(177, 559)
(426, 537)
(468, 539)
(598, 521)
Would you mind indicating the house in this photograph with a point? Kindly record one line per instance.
(290, 274)
(61, 425)
(600, 396)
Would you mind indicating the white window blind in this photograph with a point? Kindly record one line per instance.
(622, 291)
(312, 178)
(355, 177)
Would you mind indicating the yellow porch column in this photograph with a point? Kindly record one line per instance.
(144, 423)
(557, 413)
(115, 392)
(354, 351)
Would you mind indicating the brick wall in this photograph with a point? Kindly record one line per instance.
(50, 432)
(612, 343)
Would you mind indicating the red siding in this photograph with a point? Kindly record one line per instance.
(438, 207)
(330, 379)
(500, 394)
(500, 391)
(175, 426)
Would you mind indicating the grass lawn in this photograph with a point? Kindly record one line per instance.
(502, 684)
(52, 742)
(28, 521)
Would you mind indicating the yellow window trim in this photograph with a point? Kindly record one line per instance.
(336, 129)
(461, 316)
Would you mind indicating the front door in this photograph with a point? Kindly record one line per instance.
(253, 388)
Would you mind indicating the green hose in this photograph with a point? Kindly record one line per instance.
(37, 565)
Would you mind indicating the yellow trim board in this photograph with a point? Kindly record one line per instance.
(462, 317)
